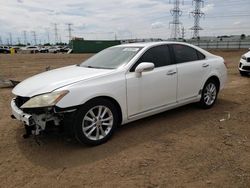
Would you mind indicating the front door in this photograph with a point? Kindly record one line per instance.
(153, 89)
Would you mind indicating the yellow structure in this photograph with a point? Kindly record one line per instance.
(12, 51)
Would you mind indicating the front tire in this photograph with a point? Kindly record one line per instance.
(95, 122)
(209, 94)
(242, 73)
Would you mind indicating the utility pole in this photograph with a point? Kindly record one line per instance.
(197, 14)
(1, 42)
(10, 34)
(34, 36)
(70, 31)
(56, 33)
(176, 13)
(25, 37)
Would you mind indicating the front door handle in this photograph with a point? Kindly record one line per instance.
(205, 65)
(171, 72)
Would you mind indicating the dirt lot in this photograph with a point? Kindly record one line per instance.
(186, 147)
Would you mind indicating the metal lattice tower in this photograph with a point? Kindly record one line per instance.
(34, 37)
(70, 31)
(183, 33)
(56, 33)
(176, 13)
(197, 14)
(10, 35)
(48, 36)
(25, 37)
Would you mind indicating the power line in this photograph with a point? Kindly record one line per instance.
(176, 13)
(197, 14)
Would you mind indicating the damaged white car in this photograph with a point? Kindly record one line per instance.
(116, 86)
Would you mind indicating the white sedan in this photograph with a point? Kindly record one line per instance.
(121, 84)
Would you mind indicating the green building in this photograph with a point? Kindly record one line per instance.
(91, 46)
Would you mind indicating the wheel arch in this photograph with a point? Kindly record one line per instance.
(214, 78)
(117, 105)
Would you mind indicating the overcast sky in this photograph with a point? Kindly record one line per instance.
(104, 19)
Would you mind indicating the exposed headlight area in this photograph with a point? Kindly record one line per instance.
(244, 57)
(45, 100)
(37, 112)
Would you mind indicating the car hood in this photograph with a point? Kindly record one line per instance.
(54, 79)
(247, 54)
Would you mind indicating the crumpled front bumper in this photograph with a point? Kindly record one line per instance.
(20, 115)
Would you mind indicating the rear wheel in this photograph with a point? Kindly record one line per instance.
(209, 94)
(95, 122)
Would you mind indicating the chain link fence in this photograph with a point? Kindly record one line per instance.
(222, 44)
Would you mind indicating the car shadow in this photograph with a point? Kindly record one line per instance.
(54, 151)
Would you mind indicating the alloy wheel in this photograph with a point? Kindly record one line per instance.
(97, 123)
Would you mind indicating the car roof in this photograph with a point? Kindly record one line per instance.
(148, 44)
(151, 44)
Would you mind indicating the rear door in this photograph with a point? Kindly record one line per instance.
(192, 68)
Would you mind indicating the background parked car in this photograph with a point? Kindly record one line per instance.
(244, 66)
(30, 49)
(54, 49)
(43, 50)
(4, 50)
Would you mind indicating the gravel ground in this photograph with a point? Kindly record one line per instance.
(185, 147)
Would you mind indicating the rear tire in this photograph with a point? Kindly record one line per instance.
(95, 122)
(209, 94)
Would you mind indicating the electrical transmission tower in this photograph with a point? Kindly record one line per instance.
(183, 33)
(70, 31)
(34, 37)
(25, 37)
(197, 14)
(18, 40)
(56, 33)
(176, 13)
(48, 37)
(10, 34)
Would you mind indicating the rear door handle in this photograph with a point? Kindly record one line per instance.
(171, 72)
(205, 65)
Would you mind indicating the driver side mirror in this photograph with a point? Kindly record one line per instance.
(144, 67)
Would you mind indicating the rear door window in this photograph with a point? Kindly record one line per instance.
(185, 53)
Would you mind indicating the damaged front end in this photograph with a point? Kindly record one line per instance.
(35, 116)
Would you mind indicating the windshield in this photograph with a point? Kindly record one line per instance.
(111, 58)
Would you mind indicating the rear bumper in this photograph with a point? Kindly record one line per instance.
(20, 115)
